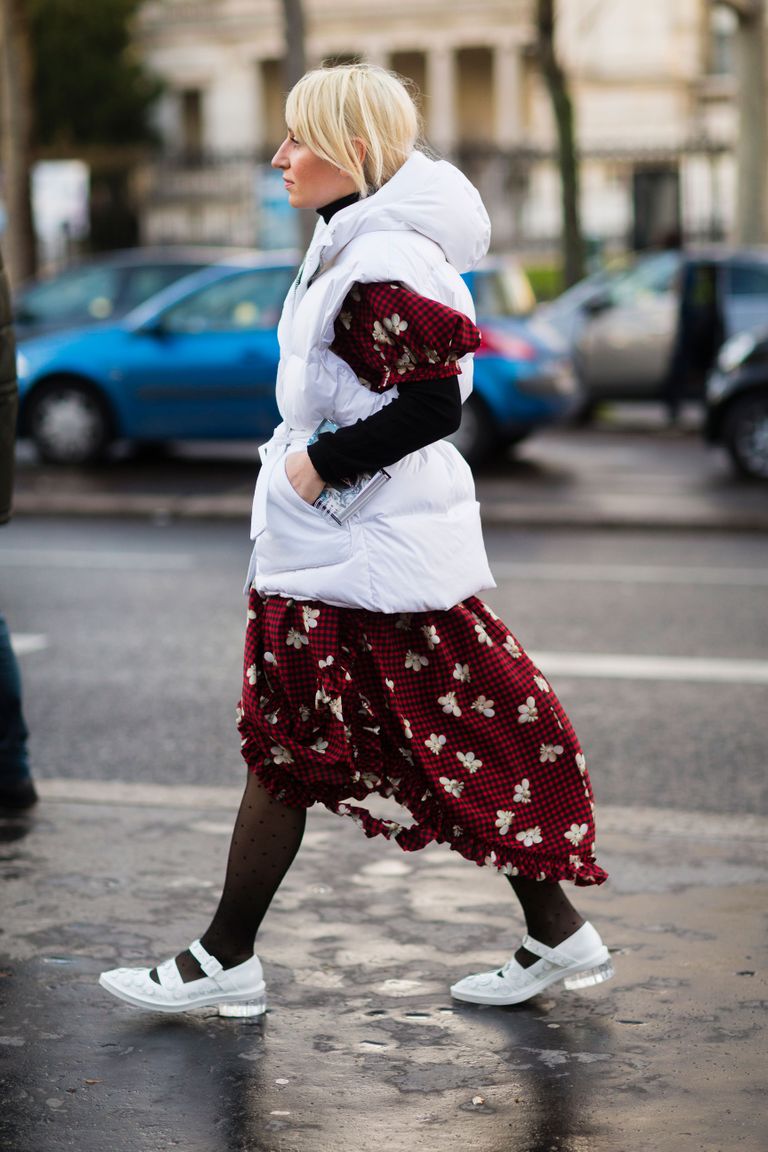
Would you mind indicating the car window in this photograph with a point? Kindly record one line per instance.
(83, 294)
(502, 292)
(249, 301)
(650, 278)
(144, 281)
(748, 280)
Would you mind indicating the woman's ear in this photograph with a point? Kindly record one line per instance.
(361, 148)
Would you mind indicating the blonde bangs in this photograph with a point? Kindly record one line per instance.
(331, 108)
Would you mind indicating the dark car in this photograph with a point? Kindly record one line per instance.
(105, 288)
(737, 402)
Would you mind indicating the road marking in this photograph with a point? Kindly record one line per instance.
(632, 574)
(602, 666)
(25, 642)
(623, 819)
(53, 558)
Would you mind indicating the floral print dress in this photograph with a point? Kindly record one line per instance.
(443, 710)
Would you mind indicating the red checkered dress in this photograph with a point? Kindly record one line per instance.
(443, 711)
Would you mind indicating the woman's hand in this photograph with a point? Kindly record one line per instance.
(304, 480)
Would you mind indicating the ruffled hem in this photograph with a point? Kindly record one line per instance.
(431, 825)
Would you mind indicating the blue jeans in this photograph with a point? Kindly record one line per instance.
(14, 765)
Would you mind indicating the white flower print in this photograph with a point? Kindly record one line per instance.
(394, 324)
(239, 715)
(365, 644)
(406, 728)
(325, 663)
(522, 792)
(484, 706)
(310, 617)
(461, 673)
(548, 753)
(449, 705)
(270, 658)
(415, 660)
(271, 717)
(431, 636)
(528, 711)
(452, 787)
(482, 636)
(406, 754)
(504, 821)
(390, 684)
(406, 362)
(335, 707)
(576, 833)
(576, 861)
(370, 779)
(355, 293)
(530, 836)
(295, 638)
(490, 860)
(252, 674)
(469, 761)
(251, 614)
(304, 712)
(509, 870)
(435, 743)
(431, 354)
(379, 334)
(513, 647)
(541, 683)
(457, 831)
(281, 755)
(581, 762)
(346, 319)
(490, 611)
(319, 745)
(392, 828)
(403, 621)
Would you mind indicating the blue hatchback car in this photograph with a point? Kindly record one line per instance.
(198, 361)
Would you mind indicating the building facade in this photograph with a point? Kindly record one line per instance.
(652, 85)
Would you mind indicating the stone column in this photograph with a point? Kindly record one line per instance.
(229, 110)
(508, 95)
(441, 98)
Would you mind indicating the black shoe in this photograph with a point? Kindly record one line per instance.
(18, 794)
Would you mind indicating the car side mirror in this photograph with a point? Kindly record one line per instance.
(597, 304)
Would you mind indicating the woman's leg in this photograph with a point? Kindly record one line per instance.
(549, 915)
(265, 840)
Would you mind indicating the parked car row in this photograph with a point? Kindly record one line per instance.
(198, 358)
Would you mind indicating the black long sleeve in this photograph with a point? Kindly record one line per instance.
(423, 412)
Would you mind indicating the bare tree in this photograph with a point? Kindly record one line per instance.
(568, 162)
(16, 138)
(751, 153)
(294, 67)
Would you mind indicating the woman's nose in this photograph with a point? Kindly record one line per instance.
(279, 159)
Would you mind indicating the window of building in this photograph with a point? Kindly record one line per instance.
(475, 111)
(722, 32)
(412, 66)
(192, 121)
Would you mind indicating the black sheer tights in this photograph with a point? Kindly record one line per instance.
(549, 915)
(265, 840)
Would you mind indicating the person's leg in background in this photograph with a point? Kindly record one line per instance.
(16, 787)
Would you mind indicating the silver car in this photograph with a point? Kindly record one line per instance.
(621, 325)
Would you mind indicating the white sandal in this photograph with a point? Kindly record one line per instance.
(238, 991)
(580, 961)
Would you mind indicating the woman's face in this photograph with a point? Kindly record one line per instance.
(310, 181)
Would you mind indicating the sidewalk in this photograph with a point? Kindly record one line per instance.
(362, 1046)
(628, 472)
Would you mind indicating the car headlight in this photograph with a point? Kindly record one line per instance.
(23, 366)
(735, 351)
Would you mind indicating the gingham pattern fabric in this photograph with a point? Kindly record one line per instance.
(443, 711)
(389, 334)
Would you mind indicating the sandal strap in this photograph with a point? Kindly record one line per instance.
(554, 955)
(209, 964)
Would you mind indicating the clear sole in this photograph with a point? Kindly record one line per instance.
(590, 976)
(245, 1009)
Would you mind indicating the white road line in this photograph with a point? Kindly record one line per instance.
(25, 642)
(54, 558)
(605, 666)
(632, 574)
(628, 821)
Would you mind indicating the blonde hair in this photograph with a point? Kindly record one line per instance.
(331, 108)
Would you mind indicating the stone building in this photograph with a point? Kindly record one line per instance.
(652, 84)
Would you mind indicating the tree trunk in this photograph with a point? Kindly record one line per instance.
(751, 154)
(16, 139)
(557, 87)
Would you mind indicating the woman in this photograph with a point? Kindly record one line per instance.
(370, 665)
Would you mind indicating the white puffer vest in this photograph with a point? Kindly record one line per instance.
(417, 544)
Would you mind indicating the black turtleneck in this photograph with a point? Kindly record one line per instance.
(424, 411)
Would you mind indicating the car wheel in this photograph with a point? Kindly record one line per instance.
(746, 435)
(475, 437)
(69, 422)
